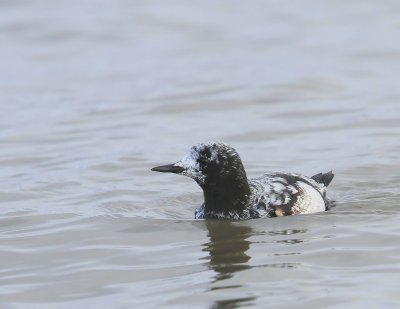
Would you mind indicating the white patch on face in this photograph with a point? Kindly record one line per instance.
(191, 165)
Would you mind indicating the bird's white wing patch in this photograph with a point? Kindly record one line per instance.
(309, 200)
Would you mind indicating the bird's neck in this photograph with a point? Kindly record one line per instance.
(229, 194)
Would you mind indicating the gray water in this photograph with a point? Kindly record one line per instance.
(95, 93)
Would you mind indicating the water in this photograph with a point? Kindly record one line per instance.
(95, 93)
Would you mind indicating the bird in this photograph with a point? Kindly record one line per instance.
(228, 194)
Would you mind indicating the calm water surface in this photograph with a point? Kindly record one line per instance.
(95, 93)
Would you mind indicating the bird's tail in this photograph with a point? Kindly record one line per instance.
(324, 179)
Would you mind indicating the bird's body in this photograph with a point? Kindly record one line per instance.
(276, 195)
(228, 194)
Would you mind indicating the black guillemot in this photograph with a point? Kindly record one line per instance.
(229, 194)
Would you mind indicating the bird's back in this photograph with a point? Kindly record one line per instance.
(283, 194)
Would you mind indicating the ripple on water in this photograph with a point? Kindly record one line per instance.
(92, 99)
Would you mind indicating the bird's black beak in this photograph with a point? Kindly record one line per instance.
(170, 168)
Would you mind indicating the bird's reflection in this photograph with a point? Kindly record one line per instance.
(227, 248)
(233, 303)
(228, 244)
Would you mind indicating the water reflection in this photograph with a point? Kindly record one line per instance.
(289, 232)
(228, 244)
(227, 248)
(233, 303)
